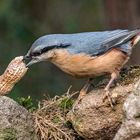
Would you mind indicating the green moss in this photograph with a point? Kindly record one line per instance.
(69, 124)
(65, 103)
(56, 119)
(27, 103)
(128, 75)
(54, 111)
(8, 134)
(78, 121)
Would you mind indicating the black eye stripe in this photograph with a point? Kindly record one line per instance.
(54, 46)
(35, 53)
(48, 48)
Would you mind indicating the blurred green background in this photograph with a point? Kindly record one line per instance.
(23, 21)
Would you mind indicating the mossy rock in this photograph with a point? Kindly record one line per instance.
(8, 134)
(16, 123)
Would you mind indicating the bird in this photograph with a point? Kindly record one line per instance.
(87, 54)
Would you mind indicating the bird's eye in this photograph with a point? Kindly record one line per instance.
(36, 53)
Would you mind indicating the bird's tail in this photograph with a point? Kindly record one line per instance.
(123, 37)
(136, 39)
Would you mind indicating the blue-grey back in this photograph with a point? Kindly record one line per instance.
(92, 43)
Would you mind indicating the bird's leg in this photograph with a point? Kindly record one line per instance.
(84, 90)
(114, 76)
(82, 93)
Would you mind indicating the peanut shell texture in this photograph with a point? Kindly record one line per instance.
(13, 73)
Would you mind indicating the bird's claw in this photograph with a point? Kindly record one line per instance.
(81, 96)
(110, 99)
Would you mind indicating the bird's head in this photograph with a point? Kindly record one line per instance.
(43, 49)
(39, 53)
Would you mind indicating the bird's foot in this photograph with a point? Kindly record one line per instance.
(82, 93)
(79, 99)
(110, 99)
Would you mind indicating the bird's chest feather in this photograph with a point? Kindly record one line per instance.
(82, 65)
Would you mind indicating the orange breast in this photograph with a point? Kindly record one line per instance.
(82, 65)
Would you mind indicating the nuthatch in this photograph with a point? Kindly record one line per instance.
(86, 55)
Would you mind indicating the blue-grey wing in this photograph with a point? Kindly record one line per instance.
(91, 43)
(96, 43)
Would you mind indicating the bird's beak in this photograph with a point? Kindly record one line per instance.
(29, 60)
(33, 61)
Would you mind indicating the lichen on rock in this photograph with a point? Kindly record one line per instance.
(16, 123)
(8, 134)
(130, 127)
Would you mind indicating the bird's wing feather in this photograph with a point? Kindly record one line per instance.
(120, 38)
(97, 43)
(90, 43)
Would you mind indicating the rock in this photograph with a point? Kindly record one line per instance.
(130, 128)
(94, 119)
(16, 123)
